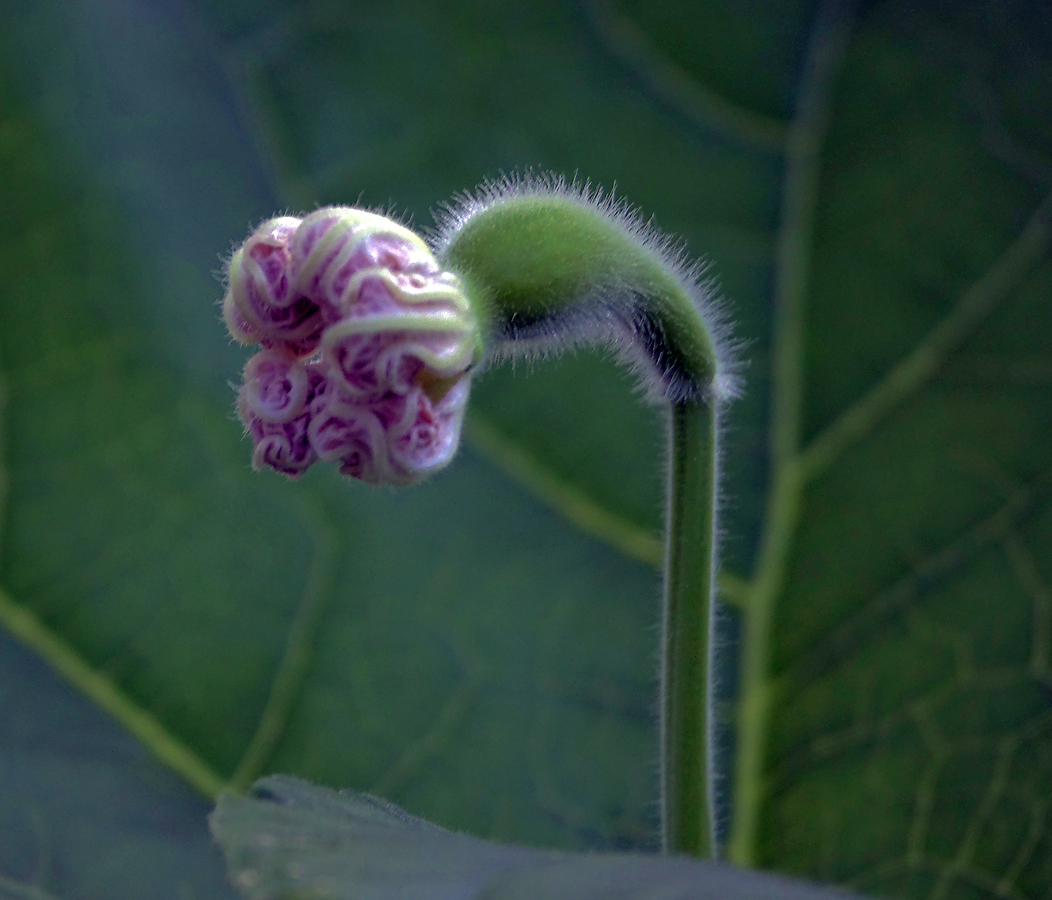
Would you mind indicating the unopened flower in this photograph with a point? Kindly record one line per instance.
(368, 347)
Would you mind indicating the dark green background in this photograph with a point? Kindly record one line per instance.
(867, 181)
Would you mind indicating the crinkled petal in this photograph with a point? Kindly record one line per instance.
(276, 386)
(282, 446)
(428, 438)
(261, 304)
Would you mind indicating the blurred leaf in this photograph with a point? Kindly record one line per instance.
(426, 645)
(84, 810)
(292, 839)
(870, 183)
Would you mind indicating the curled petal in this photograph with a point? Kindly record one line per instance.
(359, 463)
(353, 360)
(422, 292)
(276, 386)
(283, 446)
(318, 384)
(370, 358)
(426, 355)
(339, 424)
(369, 254)
(392, 410)
(395, 253)
(316, 246)
(261, 304)
(264, 256)
(296, 327)
(428, 436)
(268, 252)
(398, 367)
(334, 243)
(352, 435)
(372, 298)
(240, 329)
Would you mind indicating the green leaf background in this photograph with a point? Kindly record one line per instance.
(870, 182)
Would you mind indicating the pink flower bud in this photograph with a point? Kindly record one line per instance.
(391, 336)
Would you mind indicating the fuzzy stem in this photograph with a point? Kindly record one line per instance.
(686, 682)
(544, 270)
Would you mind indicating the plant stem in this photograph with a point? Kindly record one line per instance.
(686, 682)
(547, 266)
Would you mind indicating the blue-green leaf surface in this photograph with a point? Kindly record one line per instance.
(292, 839)
(85, 810)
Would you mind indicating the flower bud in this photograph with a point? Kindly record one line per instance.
(367, 345)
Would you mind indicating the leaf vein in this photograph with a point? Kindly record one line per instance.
(1005, 755)
(570, 501)
(935, 867)
(13, 888)
(904, 379)
(576, 506)
(297, 656)
(1024, 566)
(846, 636)
(431, 743)
(828, 46)
(142, 724)
(674, 87)
(1035, 831)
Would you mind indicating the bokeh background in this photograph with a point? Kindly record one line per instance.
(870, 183)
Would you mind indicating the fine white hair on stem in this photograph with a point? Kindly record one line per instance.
(608, 311)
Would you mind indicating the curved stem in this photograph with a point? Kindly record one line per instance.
(686, 683)
(547, 265)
